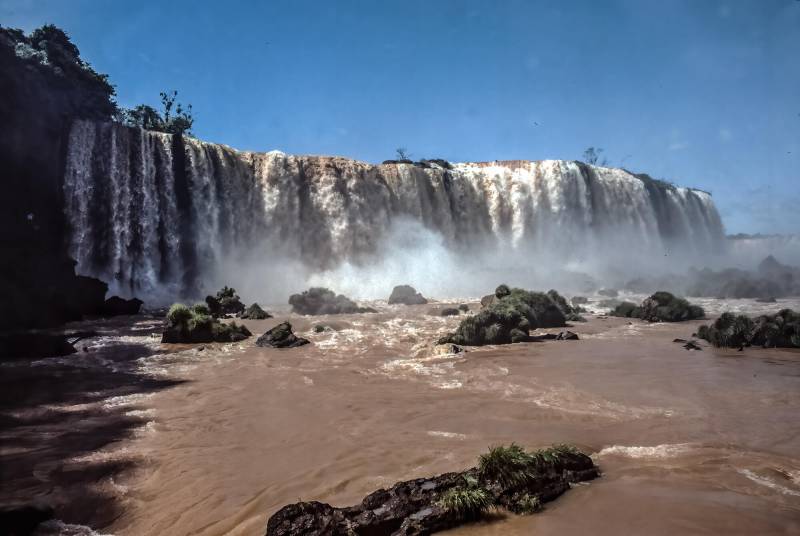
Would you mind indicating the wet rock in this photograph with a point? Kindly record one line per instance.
(463, 307)
(34, 345)
(22, 520)
(681, 340)
(428, 505)
(406, 295)
(323, 301)
(691, 345)
(226, 302)
(195, 324)
(281, 336)
(567, 336)
(255, 312)
(487, 300)
(116, 306)
(449, 311)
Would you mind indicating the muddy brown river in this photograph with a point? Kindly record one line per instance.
(218, 437)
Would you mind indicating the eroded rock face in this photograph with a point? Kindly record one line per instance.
(416, 507)
(281, 336)
(406, 295)
(323, 301)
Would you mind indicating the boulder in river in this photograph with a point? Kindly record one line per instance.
(28, 345)
(781, 330)
(506, 477)
(406, 295)
(281, 336)
(255, 312)
(195, 324)
(116, 306)
(323, 301)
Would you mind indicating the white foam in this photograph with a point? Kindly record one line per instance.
(657, 451)
(764, 481)
(448, 435)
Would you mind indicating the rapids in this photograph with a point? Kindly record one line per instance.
(158, 216)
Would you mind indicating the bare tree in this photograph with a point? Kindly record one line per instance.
(592, 155)
(403, 154)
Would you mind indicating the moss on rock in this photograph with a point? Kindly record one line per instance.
(660, 307)
(195, 324)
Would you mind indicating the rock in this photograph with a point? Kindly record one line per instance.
(255, 312)
(116, 306)
(34, 345)
(770, 299)
(608, 292)
(691, 345)
(463, 307)
(487, 300)
(226, 302)
(447, 349)
(195, 324)
(322, 301)
(281, 336)
(21, 520)
(427, 505)
(579, 300)
(567, 336)
(319, 328)
(680, 340)
(449, 311)
(406, 295)
(508, 318)
(660, 307)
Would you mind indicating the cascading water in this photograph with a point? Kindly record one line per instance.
(152, 213)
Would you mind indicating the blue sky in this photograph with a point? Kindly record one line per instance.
(705, 93)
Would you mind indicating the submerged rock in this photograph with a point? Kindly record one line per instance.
(281, 336)
(660, 307)
(255, 312)
(323, 301)
(406, 295)
(116, 306)
(506, 477)
(195, 324)
(509, 318)
(226, 302)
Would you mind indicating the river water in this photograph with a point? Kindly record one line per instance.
(136, 437)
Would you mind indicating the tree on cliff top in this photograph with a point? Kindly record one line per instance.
(175, 119)
(592, 154)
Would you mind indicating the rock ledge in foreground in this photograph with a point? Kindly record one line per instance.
(506, 477)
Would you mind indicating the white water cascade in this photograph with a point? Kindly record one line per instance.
(153, 214)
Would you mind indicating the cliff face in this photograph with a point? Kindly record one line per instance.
(148, 211)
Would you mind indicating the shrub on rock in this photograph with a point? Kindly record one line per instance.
(406, 295)
(509, 318)
(660, 307)
(781, 330)
(226, 302)
(195, 324)
(323, 301)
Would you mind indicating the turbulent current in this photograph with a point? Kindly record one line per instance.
(150, 212)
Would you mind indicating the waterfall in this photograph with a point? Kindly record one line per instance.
(150, 213)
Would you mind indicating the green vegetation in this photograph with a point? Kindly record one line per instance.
(466, 502)
(527, 504)
(226, 302)
(509, 466)
(195, 324)
(781, 330)
(174, 119)
(660, 307)
(509, 317)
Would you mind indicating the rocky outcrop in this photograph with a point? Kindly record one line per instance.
(660, 307)
(34, 345)
(195, 324)
(281, 336)
(506, 477)
(116, 306)
(255, 312)
(509, 317)
(22, 520)
(406, 295)
(323, 301)
(781, 330)
(225, 303)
